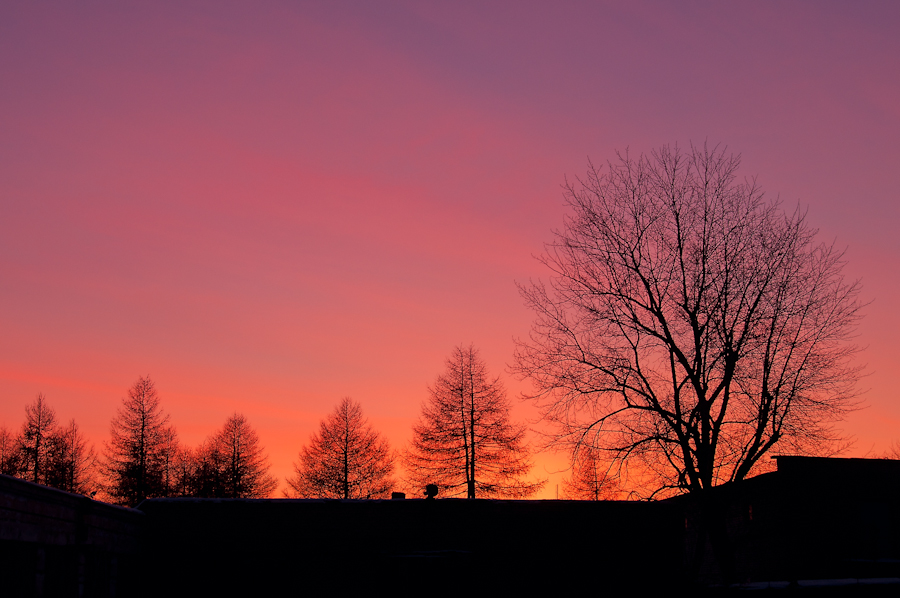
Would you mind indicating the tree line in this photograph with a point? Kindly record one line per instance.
(45, 452)
(690, 328)
(464, 443)
(143, 458)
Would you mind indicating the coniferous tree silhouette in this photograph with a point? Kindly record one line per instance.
(49, 454)
(591, 478)
(464, 441)
(35, 439)
(243, 465)
(72, 463)
(346, 459)
(135, 457)
(10, 453)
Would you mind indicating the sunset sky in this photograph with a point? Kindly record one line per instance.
(268, 206)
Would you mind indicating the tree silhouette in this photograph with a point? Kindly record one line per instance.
(10, 453)
(35, 439)
(464, 441)
(345, 459)
(49, 454)
(169, 450)
(590, 479)
(690, 324)
(206, 470)
(244, 466)
(229, 464)
(71, 464)
(134, 459)
(184, 472)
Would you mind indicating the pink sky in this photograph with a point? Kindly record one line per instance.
(268, 206)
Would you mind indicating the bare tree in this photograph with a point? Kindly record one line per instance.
(228, 464)
(347, 458)
(244, 465)
(10, 453)
(135, 457)
(893, 452)
(207, 470)
(34, 440)
(72, 463)
(185, 472)
(49, 454)
(690, 324)
(169, 450)
(464, 441)
(591, 478)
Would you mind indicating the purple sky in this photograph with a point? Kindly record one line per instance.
(269, 206)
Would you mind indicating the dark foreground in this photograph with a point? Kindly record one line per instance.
(816, 527)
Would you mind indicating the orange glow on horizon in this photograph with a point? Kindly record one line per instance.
(266, 209)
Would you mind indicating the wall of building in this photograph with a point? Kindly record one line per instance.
(292, 546)
(813, 519)
(53, 543)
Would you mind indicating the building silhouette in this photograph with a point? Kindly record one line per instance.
(820, 526)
